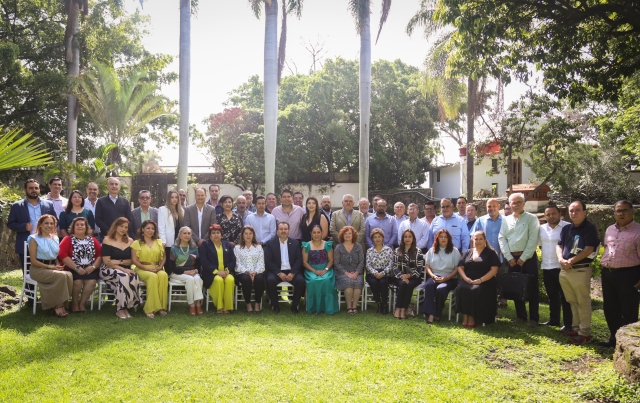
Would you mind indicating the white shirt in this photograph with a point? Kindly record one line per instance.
(419, 227)
(264, 225)
(92, 207)
(548, 241)
(284, 254)
(200, 221)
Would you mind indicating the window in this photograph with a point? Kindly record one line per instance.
(494, 165)
(438, 175)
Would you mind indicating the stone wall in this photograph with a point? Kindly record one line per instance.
(8, 257)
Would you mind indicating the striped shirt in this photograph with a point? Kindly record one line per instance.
(621, 246)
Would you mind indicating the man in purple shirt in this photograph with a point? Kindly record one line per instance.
(385, 222)
(289, 213)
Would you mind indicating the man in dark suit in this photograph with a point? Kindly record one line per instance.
(142, 213)
(25, 213)
(199, 217)
(111, 207)
(283, 262)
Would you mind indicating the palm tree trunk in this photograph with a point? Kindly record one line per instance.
(185, 85)
(73, 69)
(270, 93)
(471, 108)
(365, 103)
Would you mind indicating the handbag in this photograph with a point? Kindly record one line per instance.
(514, 286)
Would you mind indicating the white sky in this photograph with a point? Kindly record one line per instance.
(227, 48)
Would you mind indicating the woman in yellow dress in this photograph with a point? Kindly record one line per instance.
(147, 254)
(218, 263)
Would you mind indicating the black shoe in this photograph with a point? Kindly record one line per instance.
(607, 343)
(275, 309)
(385, 309)
(295, 311)
(550, 323)
(518, 320)
(379, 308)
(565, 330)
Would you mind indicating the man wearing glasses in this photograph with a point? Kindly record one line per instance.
(249, 196)
(518, 240)
(429, 212)
(142, 213)
(455, 224)
(620, 271)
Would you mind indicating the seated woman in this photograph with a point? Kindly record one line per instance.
(116, 268)
(349, 267)
(218, 267)
(380, 263)
(54, 282)
(147, 255)
(75, 208)
(82, 254)
(184, 254)
(477, 292)
(250, 267)
(441, 266)
(317, 259)
(230, 222)
(409, 269)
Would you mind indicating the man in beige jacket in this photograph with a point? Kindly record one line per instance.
(347, 216)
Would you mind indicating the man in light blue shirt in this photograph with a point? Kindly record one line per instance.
(456, 225)
(383, 221)
(419, 227)
(263, 223)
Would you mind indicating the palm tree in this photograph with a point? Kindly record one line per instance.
(361, 11)
(21, 151)
(120, 107)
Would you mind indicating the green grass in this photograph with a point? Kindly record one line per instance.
(264, 357)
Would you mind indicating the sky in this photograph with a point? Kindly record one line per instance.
(227, 47)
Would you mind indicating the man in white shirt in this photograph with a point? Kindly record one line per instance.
(199, 217)
(263, 223)
(461, 205)
(59, 202)
(549, 237)
(429, 212)
(92, 191)
(283, 263)
(419, 228)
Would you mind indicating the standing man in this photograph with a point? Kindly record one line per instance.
(241, 208)
(248, 195)
(363, 206)
(272, 202)
(199, 217)
(92, 191)
(620, 271)
(577, 248)
(325, 203)
(289, 213)
(182, 194)
(373, 208)
(283, 263)
(347, 216)
(59, 202)
(263, 223)
(298, 199)
(429, 212)
(214, 194)
(461, 205)
(507, 209)
(456, 225)
(24, 215)
(111, 207)
(142, 213)
(518, 242)
(472, 212)
(383, 221)
(549, 238)
(491, 223)
(399, 210)
(419, 227)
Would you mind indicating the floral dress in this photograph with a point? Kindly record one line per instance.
(231, 227)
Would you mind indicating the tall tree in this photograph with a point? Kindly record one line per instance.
(72, 57)
(185, 86)
(361, 12)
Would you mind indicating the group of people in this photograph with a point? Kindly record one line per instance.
(324, 253)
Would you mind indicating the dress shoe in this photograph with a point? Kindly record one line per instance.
(275, 309)
(550, 323)
(517, 320)
(607, 343)
(385, 309)
(532, 323)
(565, 330)
(579, 339)
(379, 308)
(295, 311)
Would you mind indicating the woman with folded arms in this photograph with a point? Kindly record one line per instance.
(82, 254)
(477, 293)
(147, 254)
(170, 220)
(349, 267)
(184, 254)
(55, 283)
(380, 263)
(409, 269)
(75, 208)
(116, 268)
(218, 268)
(441, 267)
(250, 267)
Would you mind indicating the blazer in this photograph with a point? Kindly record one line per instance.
(166, 227)
(273, 258)
(209, 260)
(107, 212)
(339, 221)
(136, 219)
(19, 218)
(191, 220)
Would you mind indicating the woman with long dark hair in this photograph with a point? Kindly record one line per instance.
(149, 258)
(75, 208)
(409, 269)
(311, 218)
(441, 265)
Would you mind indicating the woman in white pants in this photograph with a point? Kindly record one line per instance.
(184, 254)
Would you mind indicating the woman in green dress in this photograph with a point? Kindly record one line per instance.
(317, 258)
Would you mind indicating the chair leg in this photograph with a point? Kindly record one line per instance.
(35, 298)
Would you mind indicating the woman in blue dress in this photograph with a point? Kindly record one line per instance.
(317, 258)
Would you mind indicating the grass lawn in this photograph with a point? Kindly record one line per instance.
(295, 358)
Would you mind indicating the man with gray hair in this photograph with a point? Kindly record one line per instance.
(241, 208)
(347, 216)
(199, 216)
(363, 206)
(111, 207)
(248, 194)
(518, 240)
(419, 228)
(142, 213)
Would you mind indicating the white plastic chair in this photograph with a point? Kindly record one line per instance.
(176, 295)
(342, 299)
(26, 279)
